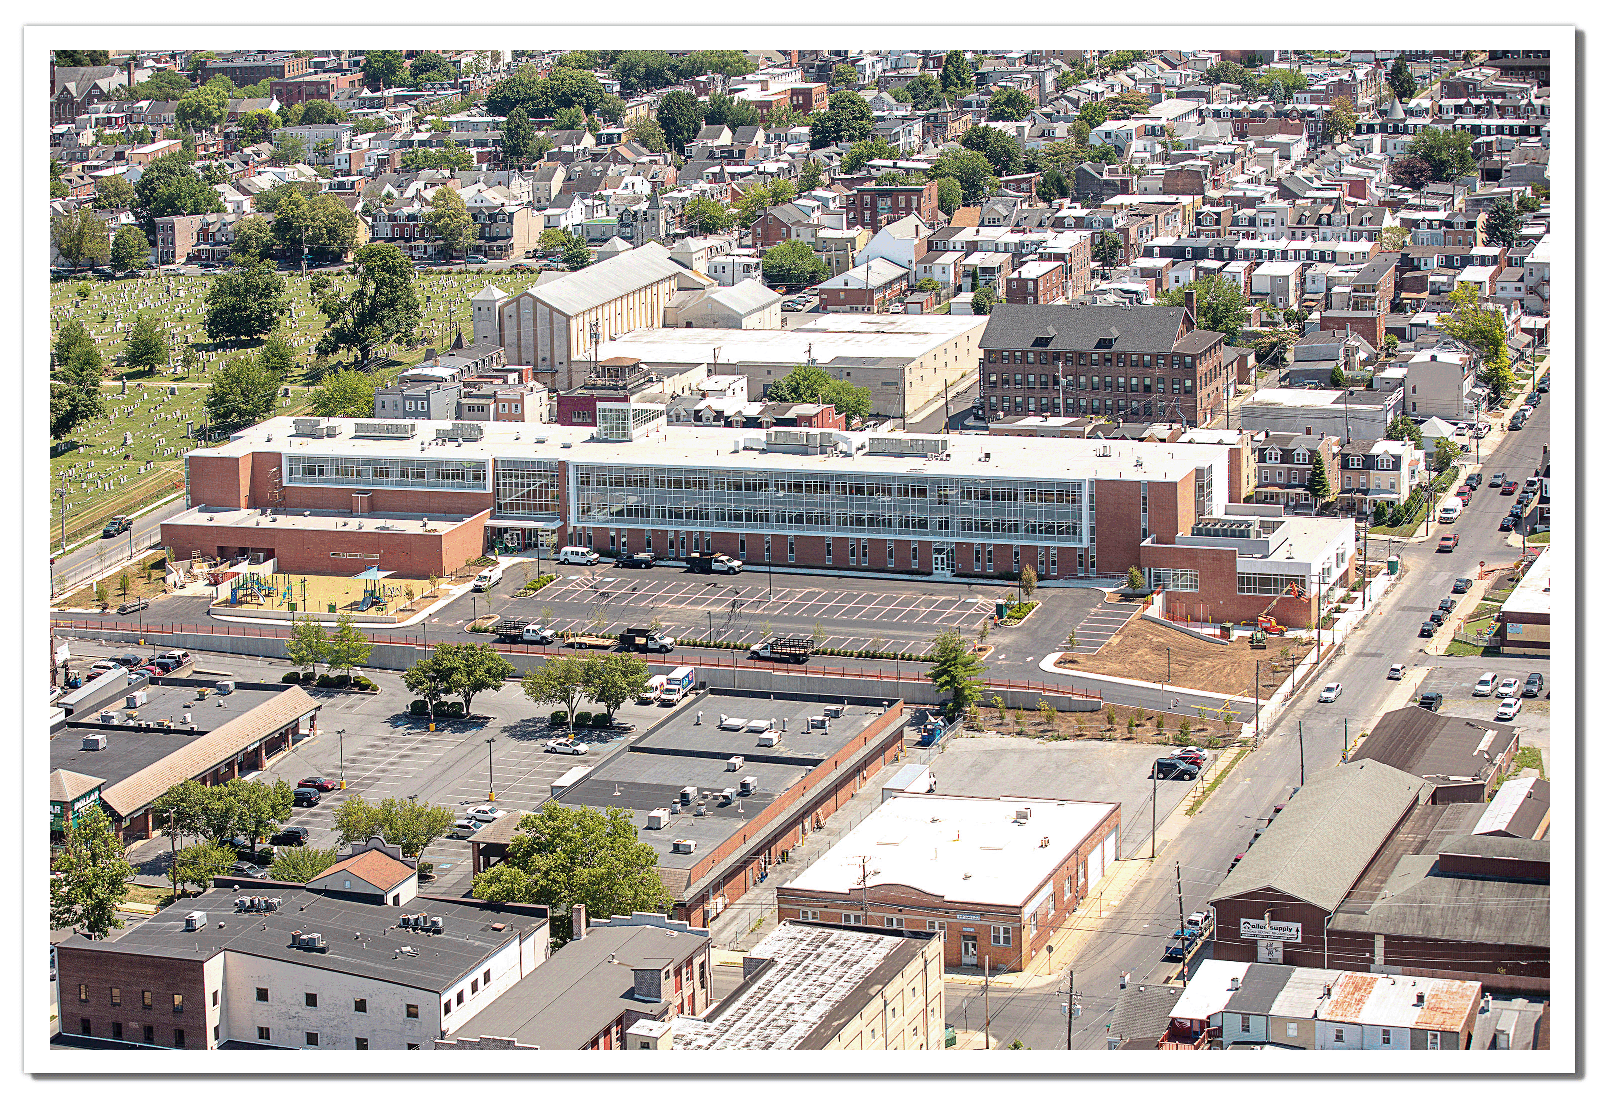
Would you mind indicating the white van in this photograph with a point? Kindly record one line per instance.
(577, 555)
(652, 690)
(1449, 512)
(488, 578)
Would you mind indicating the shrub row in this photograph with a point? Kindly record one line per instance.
(445, 708)
(360, 683)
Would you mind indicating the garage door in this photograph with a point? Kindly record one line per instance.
(1097, 863)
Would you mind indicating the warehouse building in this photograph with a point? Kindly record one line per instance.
(1524, 628)
(995, 876)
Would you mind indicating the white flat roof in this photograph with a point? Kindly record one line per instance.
(1532, 594)
(1010, 457)
(298, 520)
(1207, 992)
(962, 849)
(833, 336)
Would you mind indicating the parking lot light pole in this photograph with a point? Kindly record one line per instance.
(341, 759)
(491, 769)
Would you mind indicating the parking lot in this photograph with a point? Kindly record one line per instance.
(901, 615)
(1455, 681)
(1101, 625)
(1083, 771)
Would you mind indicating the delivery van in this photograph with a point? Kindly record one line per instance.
(1449, 512)
(680, 683)
(577, 555)
(652, 690)
(488, 578)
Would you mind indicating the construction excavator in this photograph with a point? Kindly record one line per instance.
(1266, 624)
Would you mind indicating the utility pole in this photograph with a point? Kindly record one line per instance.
(1178, 870)
(1302, 726)
(947, 406)
(341, 759)
(1153, 782)
(1346, 755)
(1072, 1006)
(986, 1002)
(1258, 703)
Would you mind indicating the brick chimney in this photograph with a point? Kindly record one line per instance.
(1189, 302)
(580, 920)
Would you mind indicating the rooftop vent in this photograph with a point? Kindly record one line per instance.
(195, 921)
(684, 847)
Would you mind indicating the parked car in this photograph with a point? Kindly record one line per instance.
(319, 783)
(1485, 685)
(1533, 685)
(133, 606)
(1397, 672)
(167, 665)
(1463, 584)
(1474, 480)
(1508, 710)
(1509, 523)
(1191, 753)
(1170, 767)
(1497, 480)
(1430, 700)
(464, 828)
(152, 670)
(307, 796)
(1508, 687)
(1517, 423)
(485, 814)
(1436, 617)
(1448, 544)
(1447, 605)
(291, 835)
(567, 747)
(129, 660)
(1544, 384)
(640, 560)
(241, 869)
(1518, 510)
(477, 259)
(1331, 692)
(262, 856)
(1426, 630)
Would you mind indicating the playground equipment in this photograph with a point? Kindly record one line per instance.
(251, 588)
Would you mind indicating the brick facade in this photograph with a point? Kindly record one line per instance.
(95, 974)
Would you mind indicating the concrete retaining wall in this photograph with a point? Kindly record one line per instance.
(1180, 628)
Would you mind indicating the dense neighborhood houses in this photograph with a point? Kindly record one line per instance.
(801, 550)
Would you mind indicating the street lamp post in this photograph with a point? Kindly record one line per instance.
(341, 759)
(491, 768)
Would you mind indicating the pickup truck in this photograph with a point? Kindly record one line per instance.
(1448, 543)
(523, 631)
(646, 640)
(700, 562)
(794, 650)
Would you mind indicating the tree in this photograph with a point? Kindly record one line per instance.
(1504, 225)
(90, 876)
(559, 680)
(955, 75)
(793, 264)
(844, 75)
(1336, 377)
(813, 384)
(256, 127)
(928, 284)
(724, 110)
(382, 68)
(955, 671)
(502, 883)
(242, 392)
(130, 249)
(171, 186)
(348, 647)
(178, 813)
(113, 193)
(81, 238)
(448, 221)
(970, 169)
(517, 141)
(1528, 204)
(857, 156)
(1341, 121)
(1107, 248)
(75, 394)
(568, 118)
(252, 240)
(984, 299)
(302, 864)
(679, 115)
(1444, 453)
(847, 119)
(145, 349)
(429, 67)
(307, 645)
(1403, 427)
(345, 393)
(1053, 185)
(1135, 578)
(257, 809)
(1448, 153)
(1093, 114)
(1010, 105)
(612, 679)
(648, 132)
(950, 196)
(1321, 488)
(575, 254)
(202, 108)
(1412, 172)
(288, 149)
(198, 864)
(1500, 378)
(1229, 72)
(553, 239)
(999, 148)
(1480, 325)
(573, 854)
(704, 214)
(448, 156)
(429, 681)
(409, 824)
(1391, 344)
(1219, 305)
(1274, 347)
(81, 58)
(1125, 105)
(381, 307)
(1400, 80)
(1393, 238)
(245, 303)
(470, 670)
(1028, 583)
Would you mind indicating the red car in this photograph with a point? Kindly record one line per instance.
(1448, 543)
(316, 782)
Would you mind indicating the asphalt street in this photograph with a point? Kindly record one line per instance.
(107, 553)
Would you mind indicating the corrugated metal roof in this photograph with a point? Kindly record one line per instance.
(1327, 834)
(204, 753)
(609, 279)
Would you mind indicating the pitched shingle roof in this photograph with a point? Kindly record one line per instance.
(65, 785)
(372, 866)
(1082, 327)
(209, 750)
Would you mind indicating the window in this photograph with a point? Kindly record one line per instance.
(213, 998)
(361, 1044)
(791, 548)
(177, 1002)
(411, 1012)
(474, 987)
(84, 1027)
(361, 1004)
(827, 551)
(1292, 1029)
(461, 996)
(311, 1038)
(1244, 1024)
(261, 994)
(1384, 1036)
(808, 914)
(116, 1029)
(1433, 1040)
(894, 922)
(150, 1034)
(149, 999)
(1338, 1034)
(311, 1000)
(486, 979)
(1000, 935)
(83, 994)
(116, 996)
(177, 1037)
(264, 1034)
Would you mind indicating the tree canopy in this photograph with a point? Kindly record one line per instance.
(955, 75)
(409, 824)
(466, 670)
(245, 302)
(381, 307)
(81, 238)
(1219, 305)
(1447, 153)
(448, 221)
(847, 119)
(679, 115)
(968, 168)
(999, 148)
(813, 384)
(345, 393)
(793, 264)
(956, 672)
(242, 392)
(170, 186)
(90, 876)
(1400, 80)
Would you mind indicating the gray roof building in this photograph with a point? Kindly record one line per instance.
(1451, 753)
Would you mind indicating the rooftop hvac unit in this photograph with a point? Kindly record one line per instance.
(658, 819)
(311, 941)
(727, 795)
(747, 785)
(436, 924)
(735, 763)
(726, 723)
(817, 723)
(769, 739)
(407, 920)
(188, 719)
(700, 810)
(95, 742)
(108, 718)
(758, 725)
(138, 699)
(834, 710)
(687, 795)
(1024, 813)
(684, 847)
(225, 687)
(195, 921)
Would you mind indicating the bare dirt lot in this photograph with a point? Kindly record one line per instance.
(1139, 652)
(1108, 724)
